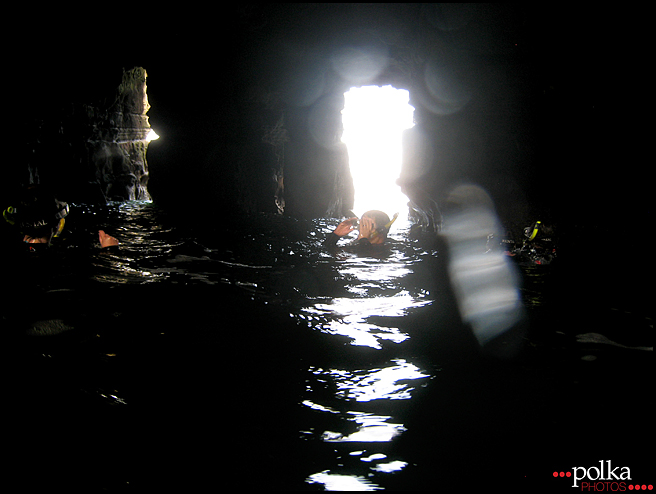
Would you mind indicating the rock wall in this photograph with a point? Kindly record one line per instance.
(251, 120)
(95, 151)
(250, 116)
(317, 173)
(119, 140)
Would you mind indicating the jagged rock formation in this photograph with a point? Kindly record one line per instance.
(119, 140)
(93, 151)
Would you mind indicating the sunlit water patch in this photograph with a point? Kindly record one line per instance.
(349, 317)
(338, 482)
(375, 384)
(376, 290)
(352, 391)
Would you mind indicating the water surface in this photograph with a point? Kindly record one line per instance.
(247, 354)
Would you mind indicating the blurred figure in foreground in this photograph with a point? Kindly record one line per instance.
(485, 282)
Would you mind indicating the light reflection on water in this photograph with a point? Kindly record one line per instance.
(375, 285)
(348, 317)
(365, 386)
(367, 317)
(374, 384)
(395, 382)
(342, 482)
(371, 429)
(337, 482)
(362, 298)
(352, 390)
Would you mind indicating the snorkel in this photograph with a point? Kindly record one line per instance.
(61, 214)
(533, 234)
(383, 230)
(8, 214)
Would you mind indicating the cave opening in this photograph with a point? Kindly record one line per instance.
(374, 119)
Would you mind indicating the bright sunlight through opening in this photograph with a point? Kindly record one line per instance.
(152, 135)
(374, 118)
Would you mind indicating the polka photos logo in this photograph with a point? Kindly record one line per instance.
(603, 477)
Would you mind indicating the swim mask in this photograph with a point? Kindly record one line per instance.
(385, 228)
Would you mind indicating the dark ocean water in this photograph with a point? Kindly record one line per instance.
(206, 355)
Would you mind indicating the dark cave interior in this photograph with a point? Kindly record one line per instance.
(539, 105)
(534, 105)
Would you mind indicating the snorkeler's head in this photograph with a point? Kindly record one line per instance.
(380, 218)
(382, 223)
(38, 212)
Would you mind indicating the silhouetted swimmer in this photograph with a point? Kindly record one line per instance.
(40, 217)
